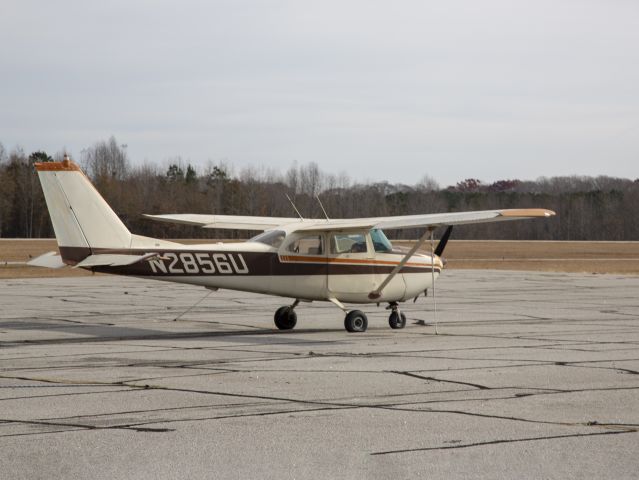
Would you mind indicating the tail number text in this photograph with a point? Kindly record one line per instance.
(200, 262)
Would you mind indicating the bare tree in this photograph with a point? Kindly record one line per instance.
(427, 184)
(106, 160)
(292, 179)
(6, 192)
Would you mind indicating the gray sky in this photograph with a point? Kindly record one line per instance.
(382, 90)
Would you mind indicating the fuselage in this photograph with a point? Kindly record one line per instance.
(256, 267)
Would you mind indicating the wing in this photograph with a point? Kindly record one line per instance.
(240, 222)
(235, 222)
(426, 220)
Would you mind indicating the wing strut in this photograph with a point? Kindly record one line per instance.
(378, 291)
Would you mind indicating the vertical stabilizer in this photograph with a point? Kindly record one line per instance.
(81, 217)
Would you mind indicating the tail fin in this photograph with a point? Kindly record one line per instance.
(81, 218)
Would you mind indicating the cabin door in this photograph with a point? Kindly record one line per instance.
(351, 271)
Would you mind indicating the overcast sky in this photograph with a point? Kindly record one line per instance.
(382, 90)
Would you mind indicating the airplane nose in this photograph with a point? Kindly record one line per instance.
(439, 261)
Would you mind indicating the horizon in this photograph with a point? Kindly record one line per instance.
(236, 171)
(233, 170)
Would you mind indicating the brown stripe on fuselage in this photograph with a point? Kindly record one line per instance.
(257, 263)
(358, 261)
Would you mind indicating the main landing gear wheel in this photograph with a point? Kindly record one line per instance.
(397, 320)
(355, 321)
(285, 318)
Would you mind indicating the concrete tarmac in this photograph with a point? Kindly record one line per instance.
(532, 375)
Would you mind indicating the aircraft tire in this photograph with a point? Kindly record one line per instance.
(397, 320)
(285, 318)
(355, 321)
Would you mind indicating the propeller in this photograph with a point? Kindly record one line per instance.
(443, 241)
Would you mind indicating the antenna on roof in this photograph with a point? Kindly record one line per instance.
(294, 207)
(322, 207)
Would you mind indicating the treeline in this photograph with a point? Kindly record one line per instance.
(588, 208)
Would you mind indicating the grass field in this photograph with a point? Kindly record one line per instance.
(586, 257)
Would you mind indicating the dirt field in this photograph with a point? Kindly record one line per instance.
(588, 257)
(576, 257)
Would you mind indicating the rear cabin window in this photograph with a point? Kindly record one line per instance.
(272, 238)
(348, 243)
(310, 245)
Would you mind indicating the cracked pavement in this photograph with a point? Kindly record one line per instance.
(532, 375)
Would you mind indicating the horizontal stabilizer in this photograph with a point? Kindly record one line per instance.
(48, 260)
(113, 260)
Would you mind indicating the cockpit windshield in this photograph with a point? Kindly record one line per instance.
(272, 238)
(380, 242)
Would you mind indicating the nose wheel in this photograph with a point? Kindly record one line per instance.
(397, 319)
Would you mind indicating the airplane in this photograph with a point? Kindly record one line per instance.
(335, 260)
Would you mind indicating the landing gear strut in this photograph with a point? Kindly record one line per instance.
(285, 317)
(397, 319)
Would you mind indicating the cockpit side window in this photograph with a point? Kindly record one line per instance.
(308, 245)
(348, 243)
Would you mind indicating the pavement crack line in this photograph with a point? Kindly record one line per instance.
(497, 442)
(142, 426)
(66, 383)
(421, 377)
(101, 392)
(604, 425)
(82, 426)
(168, 409)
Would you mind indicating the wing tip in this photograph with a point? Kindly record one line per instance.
(527, 213)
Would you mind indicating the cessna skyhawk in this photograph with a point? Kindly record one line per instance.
(335, 260)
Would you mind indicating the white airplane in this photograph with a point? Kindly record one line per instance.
(335, 260)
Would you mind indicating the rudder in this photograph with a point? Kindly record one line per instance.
(81, 218)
